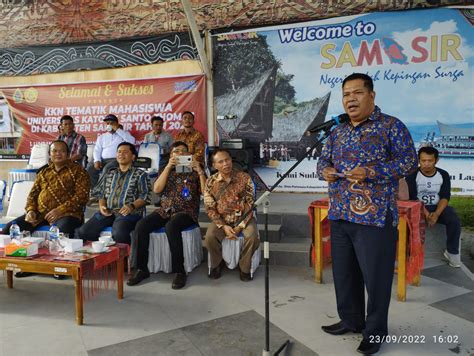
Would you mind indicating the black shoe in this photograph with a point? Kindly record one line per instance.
(245, 277)
(216, 272)
(138, 277)
(179, 281)
(24, 274)
(338, 329)
(59, 277)
(368, 348)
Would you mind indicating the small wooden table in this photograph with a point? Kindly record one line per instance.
(45, 263)
(409, 213)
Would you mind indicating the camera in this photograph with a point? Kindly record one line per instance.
(185, 160)
(184, 164)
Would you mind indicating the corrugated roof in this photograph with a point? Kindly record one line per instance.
(292, 126)
(238, 103)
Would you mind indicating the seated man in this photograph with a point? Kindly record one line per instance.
(163, 138)
(123, 194)
(178, 209)
(228, 195)
(432, 186)
(58, 196)
(76, 142)
(192, 137)
(106, 147)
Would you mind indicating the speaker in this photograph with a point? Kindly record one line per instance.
(242, 159)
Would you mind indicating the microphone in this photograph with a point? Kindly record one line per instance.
(336, 120)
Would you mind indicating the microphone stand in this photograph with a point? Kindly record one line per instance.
(265, 203)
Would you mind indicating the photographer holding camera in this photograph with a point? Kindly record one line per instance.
(180, 191)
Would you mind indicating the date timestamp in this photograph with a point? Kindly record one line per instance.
(414, 339)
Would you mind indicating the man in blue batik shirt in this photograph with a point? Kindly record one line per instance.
(362, 161)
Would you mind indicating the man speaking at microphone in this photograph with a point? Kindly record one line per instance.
(362, 161)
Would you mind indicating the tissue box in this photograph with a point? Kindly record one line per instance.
(4, 240)
(24, 250)
(72, 245)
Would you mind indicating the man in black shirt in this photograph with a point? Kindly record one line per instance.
(432, 186)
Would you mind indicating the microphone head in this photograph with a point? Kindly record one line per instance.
(344, 118)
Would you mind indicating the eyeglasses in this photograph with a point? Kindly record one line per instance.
(180, 150)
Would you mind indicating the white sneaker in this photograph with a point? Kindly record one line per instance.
(453, 260)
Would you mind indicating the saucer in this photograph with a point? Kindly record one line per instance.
(106, 249)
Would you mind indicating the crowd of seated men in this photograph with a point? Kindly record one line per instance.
(62, 189)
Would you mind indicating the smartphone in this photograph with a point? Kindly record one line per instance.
(342, 175)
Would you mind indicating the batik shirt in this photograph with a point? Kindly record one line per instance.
(383, 146)
(76, 143)
(226, 202)
(195, 142)
(66, 189)
(182, 194)
(123, 188)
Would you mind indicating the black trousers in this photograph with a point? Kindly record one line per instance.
(122, 226)
(450, 219)
(363, 256)
(66, 224)
(174, 226)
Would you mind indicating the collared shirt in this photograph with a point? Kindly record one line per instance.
(164, 139)
(382, 145)
(182, 193)
(107, 143)
(66, 189)
(123, 188)
(226, 202)
(76, 143)
(195, 141)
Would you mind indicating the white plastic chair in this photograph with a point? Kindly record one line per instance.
(89, 156)
(151, 150)
(39, 155)
(18, 196)
(159, 254)
(38, 158)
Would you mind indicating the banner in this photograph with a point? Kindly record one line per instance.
(421, 63)
(36, 110)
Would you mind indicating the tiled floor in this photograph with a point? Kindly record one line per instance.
(207, 316)
(37, 316)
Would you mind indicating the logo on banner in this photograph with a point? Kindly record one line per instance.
(31, 95)
(18, 96)
(185, 87)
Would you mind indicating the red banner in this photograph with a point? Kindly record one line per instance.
(36, 110)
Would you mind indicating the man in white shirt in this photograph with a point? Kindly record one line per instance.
(106, 148)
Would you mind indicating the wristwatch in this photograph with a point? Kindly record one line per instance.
(133, 206)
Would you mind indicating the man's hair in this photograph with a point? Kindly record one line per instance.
(156, 118)
(179, 143)
(215, 152)
(429, 150)
(368, 82)
(66, 118)
(131, 146)
(187, 112)
(59, 141)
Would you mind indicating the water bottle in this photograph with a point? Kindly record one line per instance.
(14, 232)
(54, 239)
